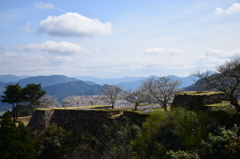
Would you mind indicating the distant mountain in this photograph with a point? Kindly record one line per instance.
(46, 80)
(9, 78)
(185, 81)
(110, 81)
(131, 85)
(197, 85)
(2, 87)
(63, 90)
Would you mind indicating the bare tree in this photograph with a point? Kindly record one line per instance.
(136, 97)
(112, 93)
(227, 80)
(162, 89)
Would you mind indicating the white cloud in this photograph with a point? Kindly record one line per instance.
(234, 9)
(61, 48)
(214, 52)
(221, 54)
(74, 25)
(42, 5)
(235, 53)
(156, 51)
(58, 60)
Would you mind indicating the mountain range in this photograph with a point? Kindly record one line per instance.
(62, 86)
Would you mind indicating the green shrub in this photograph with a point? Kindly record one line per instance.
(178, 129)
(223, 144)
(15, 141)
(117, 137)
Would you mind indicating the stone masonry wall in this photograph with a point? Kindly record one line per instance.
(41, 119)
(80, 120)
(196, 101)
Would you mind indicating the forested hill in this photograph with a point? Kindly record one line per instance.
(2, 87)
(63, 90)
(46, 80)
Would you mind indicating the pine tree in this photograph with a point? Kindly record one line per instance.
(32, 93)
(12, 95)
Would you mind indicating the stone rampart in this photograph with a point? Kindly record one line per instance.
(81, 120)
(41, 119)
(197, 100)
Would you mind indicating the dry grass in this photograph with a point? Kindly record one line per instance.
(25, 120)
(77, 108)
(222, 104)
(161, 109)
(200, 93)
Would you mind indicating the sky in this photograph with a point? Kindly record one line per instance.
(117, 38)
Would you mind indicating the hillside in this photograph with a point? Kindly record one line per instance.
(2, 87)
(9, 78)
(46, 80)
(110, 81)
(63, 90)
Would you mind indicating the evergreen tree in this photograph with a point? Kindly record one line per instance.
(32, 93)
(15, 141)
(12, 95)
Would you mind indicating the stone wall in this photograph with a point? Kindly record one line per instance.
(197, 100)
(81, 120)
(40, 119)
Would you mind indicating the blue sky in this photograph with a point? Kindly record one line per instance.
(117, 38)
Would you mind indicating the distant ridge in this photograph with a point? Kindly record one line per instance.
(63, 90)
(9, 78)
(46, 80)
(110, 81)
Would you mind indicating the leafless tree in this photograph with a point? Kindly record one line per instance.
(112, 93)
(227, 80)
(162, 89)
(135, 97)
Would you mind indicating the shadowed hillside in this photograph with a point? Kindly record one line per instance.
(63, 90)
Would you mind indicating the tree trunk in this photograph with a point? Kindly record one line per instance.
(13, 112)
(165, 106)
(16, 111)
(135, 108)
(235, 104)
(238, 108)
(112, 106)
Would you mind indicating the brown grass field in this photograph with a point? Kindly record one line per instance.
(25, 120)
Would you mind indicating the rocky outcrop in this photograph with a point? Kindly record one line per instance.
(198, 99)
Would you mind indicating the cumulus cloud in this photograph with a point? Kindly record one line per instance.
(42, 5)
(234, 9)
(60, 48)
(156, 51)
(74, 25)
